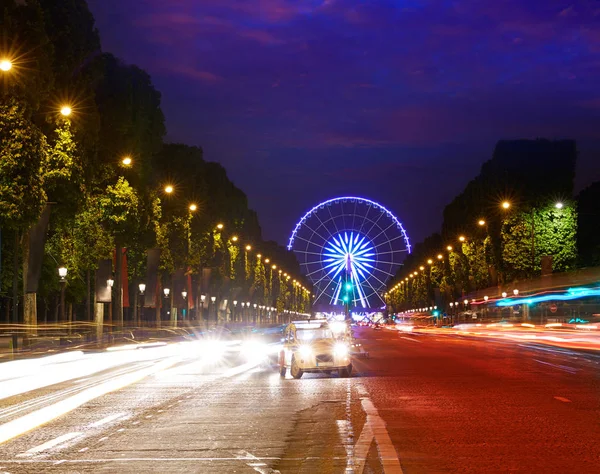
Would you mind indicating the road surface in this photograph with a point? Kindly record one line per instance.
(422, 403)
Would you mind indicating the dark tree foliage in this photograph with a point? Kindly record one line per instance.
(588, 235)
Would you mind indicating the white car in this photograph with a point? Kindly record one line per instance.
(310, 346)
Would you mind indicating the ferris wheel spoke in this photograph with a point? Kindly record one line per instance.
(392, 251)
(310, 242)
(382, 282)
(324, 239)
(324, 226)
(375, 223)
(391, 240)
(375, 291)
(337, 231)
(385, 230)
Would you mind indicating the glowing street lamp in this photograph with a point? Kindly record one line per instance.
(184, 294)
(220, 226)
(193, 207)
(466, 302)
(486, 298)
(505, 205)
(449, 248)
(430, 262)
(126, 161)
(5, 65)
(213, 298)
(168, 189)
(481, 222)
(504, 294)
(516, 292)
(65, 110)
(559, 205)
(62, 273)
(248, 247)
(440, 256)
(166, 291)
(142, 287)
(110, 282)
(234, 238)
(462, 238)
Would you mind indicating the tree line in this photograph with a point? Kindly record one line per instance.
(82, 142)
(518, 219)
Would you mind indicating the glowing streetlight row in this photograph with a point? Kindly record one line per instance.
(268, 262)
(461, 238)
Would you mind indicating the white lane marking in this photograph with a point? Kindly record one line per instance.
(409, 339)
(50, 444)
(106, 420)
(564, 368)
(374, 430)
(257, 464)
(563, 399)
(32, 420)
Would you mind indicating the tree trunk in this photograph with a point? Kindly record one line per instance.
(29, 299)
(119, 285)
(88, 316)
(15, 282)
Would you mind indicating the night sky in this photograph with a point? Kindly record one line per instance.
(398, 101)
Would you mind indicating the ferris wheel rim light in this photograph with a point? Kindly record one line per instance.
(345, 199)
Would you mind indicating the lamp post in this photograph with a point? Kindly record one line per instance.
(213, 299)
(142, 288)
(202, 300)
(62, 273)
(235, 310)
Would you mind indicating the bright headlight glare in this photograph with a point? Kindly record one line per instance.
(341, 350)
(305, 351)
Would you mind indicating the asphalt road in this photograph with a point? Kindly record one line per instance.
(420, 404)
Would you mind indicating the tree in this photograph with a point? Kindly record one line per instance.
(22, 155)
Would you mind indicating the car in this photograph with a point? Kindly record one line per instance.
(311, 346)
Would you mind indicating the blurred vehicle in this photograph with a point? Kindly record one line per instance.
(310, 346)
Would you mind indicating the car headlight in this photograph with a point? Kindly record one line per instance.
(340, 350)
(305, 351)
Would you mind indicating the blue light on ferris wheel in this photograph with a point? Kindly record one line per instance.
(351, 252)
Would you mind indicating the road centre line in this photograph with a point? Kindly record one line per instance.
(50, 444)
(563, 399)
(375, 429)
(409, 339)
(106, 420)
(564, 368)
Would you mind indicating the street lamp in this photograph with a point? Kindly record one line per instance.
(462, 238)
(559, 205)
(184, 294)
(126, 161)
(504, 294)
(220, 226)
(516, 292)
(166, 291)
(65, 110)
(449, 248)
(234, 238)
(248, 247)
(110, 282)
(193, 207)
(505, 205)
(440, 256)
(62, 273)
(481, 222)
(5, 65)
(213, 298)
(486, 298)
(168, 189)
(142, 287)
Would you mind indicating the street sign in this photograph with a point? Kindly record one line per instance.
(553, 308)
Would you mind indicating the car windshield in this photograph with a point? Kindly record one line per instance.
(313, 334)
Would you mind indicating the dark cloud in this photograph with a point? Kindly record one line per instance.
(303, 100)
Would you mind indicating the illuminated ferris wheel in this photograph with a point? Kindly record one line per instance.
(349, 239)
